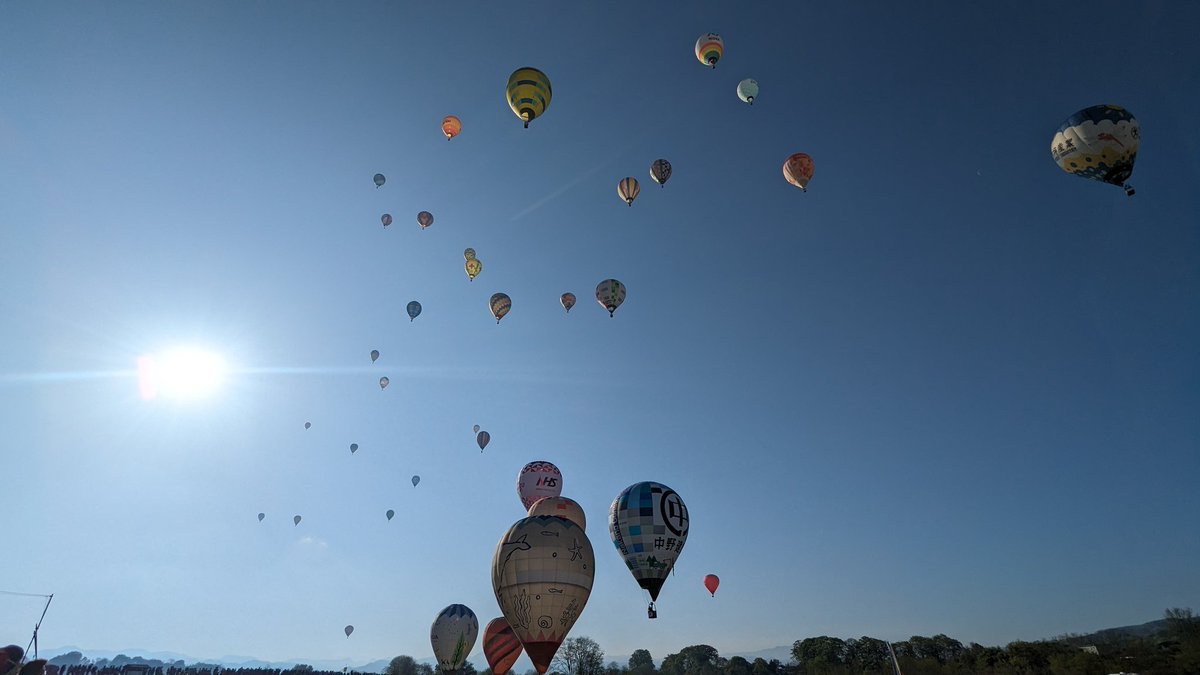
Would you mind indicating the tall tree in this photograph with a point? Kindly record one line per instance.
(579, 656)
(641, 663)
(401, 665)
(820, 654)
(737, 666)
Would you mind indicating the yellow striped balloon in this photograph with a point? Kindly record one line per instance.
(451, 126)
(528, 93)
(628, 189)
(709, 48)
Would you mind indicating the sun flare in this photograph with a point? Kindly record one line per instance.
(182, 373)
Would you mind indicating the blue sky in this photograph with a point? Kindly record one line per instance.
(948, 389)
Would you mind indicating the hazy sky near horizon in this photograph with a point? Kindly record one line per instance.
(948, 389)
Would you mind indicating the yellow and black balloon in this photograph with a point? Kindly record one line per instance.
(528, 93)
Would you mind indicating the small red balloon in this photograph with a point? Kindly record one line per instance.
(711, 581)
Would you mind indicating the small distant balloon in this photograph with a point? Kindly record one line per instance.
(424, 219)
(468, 254)
(473, 267)
(711, 581)
(296, 520)
(261, 516)
(528, 92)
(628, 189)
(747, 89)
(379, 180)
(386, 219)
(483, 438)
(383, 382)
(499, 303)
(374, 355)
(353, 448)
(709, 49)
(451, 126)
(414, 310)
(390, 514)
(660, 171)
(567, 300)
(415, 480)
(610, 293)
(308, 425)
(798, 170)
(475, 428)
(349, 630)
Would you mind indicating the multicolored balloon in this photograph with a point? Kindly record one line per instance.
(348, 630)
(473, 267)
(610, 293)
(415, 480)
(561, 507)
(424, 219)
(482, 439)
(386, 219)
(536, 480)
(529, 93)
(414, 310)
(468, 253)
(501, 647)
(709, 49)
(648, 523)
(296, 520)
(1100, 143)
(499, 304)
(542, 574)
(390, 514)
(660, 171)
(567, 300)
(453, 635)
(379, 180)
(374, 355)
(798, 170)
(747, 89)
(261, 516)
(711, 581)
(383, 382)
(451, 126)
(628, 189)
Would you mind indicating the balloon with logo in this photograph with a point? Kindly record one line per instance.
(567, 300)
(501, 647)
(798, 170)
(379, 180)
(542, 575)
(648, 523)
(473, 267)
(1098, 143)
(483, 439)
(528, 93)
(660, 171)
(453, 635)
(424, 219)
(348, 630)
(536, 480)
(610, 293)
(562, 507)
(709, 49)
(628, 189)
(747, 89)
(711, 581)
(451, 126)
(499, 303)
(414, 310)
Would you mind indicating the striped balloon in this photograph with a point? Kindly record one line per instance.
(709, 48)
(528, 93)
(798, 170)
(501, 647)
(499, 303)
(451, 126)
(628, 189)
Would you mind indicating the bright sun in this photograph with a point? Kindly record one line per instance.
(183, 373)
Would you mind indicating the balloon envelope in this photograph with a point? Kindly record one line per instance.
(1099, 143)
(451, 126)
(660, 171)
(648, 523)
(709, 48)
(453, 635)
(747, 89)
(483, 438)
(567, 300)
(379, 180)
(374, 355)
(414, 310)
(386, 219)
(296, 520)
(628, 189)
(542, 574)
(536, 480)
(473, 267)
(349, 630)
(383, 382)
(415, 480)
(424, 219)
(610, 293)
(308, 425)
(798, 170)
(501, 647)
(390, 514)
(475, 428)
(561, 507)
(499, 304)
(469, 253)
(529, 93)
(711, 581)
(353, 448)
(261, 516)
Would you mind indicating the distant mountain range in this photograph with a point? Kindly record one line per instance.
(63, 656)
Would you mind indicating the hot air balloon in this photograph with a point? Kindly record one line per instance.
(648, 523)
(390, 514)
(709, 48)
(424, 219)
(483, 439)
(747, 89)
(561, 507)
(528, 93)
(475, 428)
(473, 267)
(451, 126)
(468, 254)
(379, 180)
(501, 647)
(610, 293)
(500, 304)
(542, 574)
(308, 425)
(536, 480)
(261, 516)
(1100, 143)
(386, 219)
(296, 520)
(798, 170)
(628, 189)
(383, 382)
(415, 480)
(711, 581)
(660, 171)
(348, 630)
(567, 300)
(453, 635)
(414, 310)
(374, 355)
(353, 448)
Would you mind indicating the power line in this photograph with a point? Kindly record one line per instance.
(28, 595)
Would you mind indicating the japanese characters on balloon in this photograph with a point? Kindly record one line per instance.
(1098, 143)
(648, 523)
